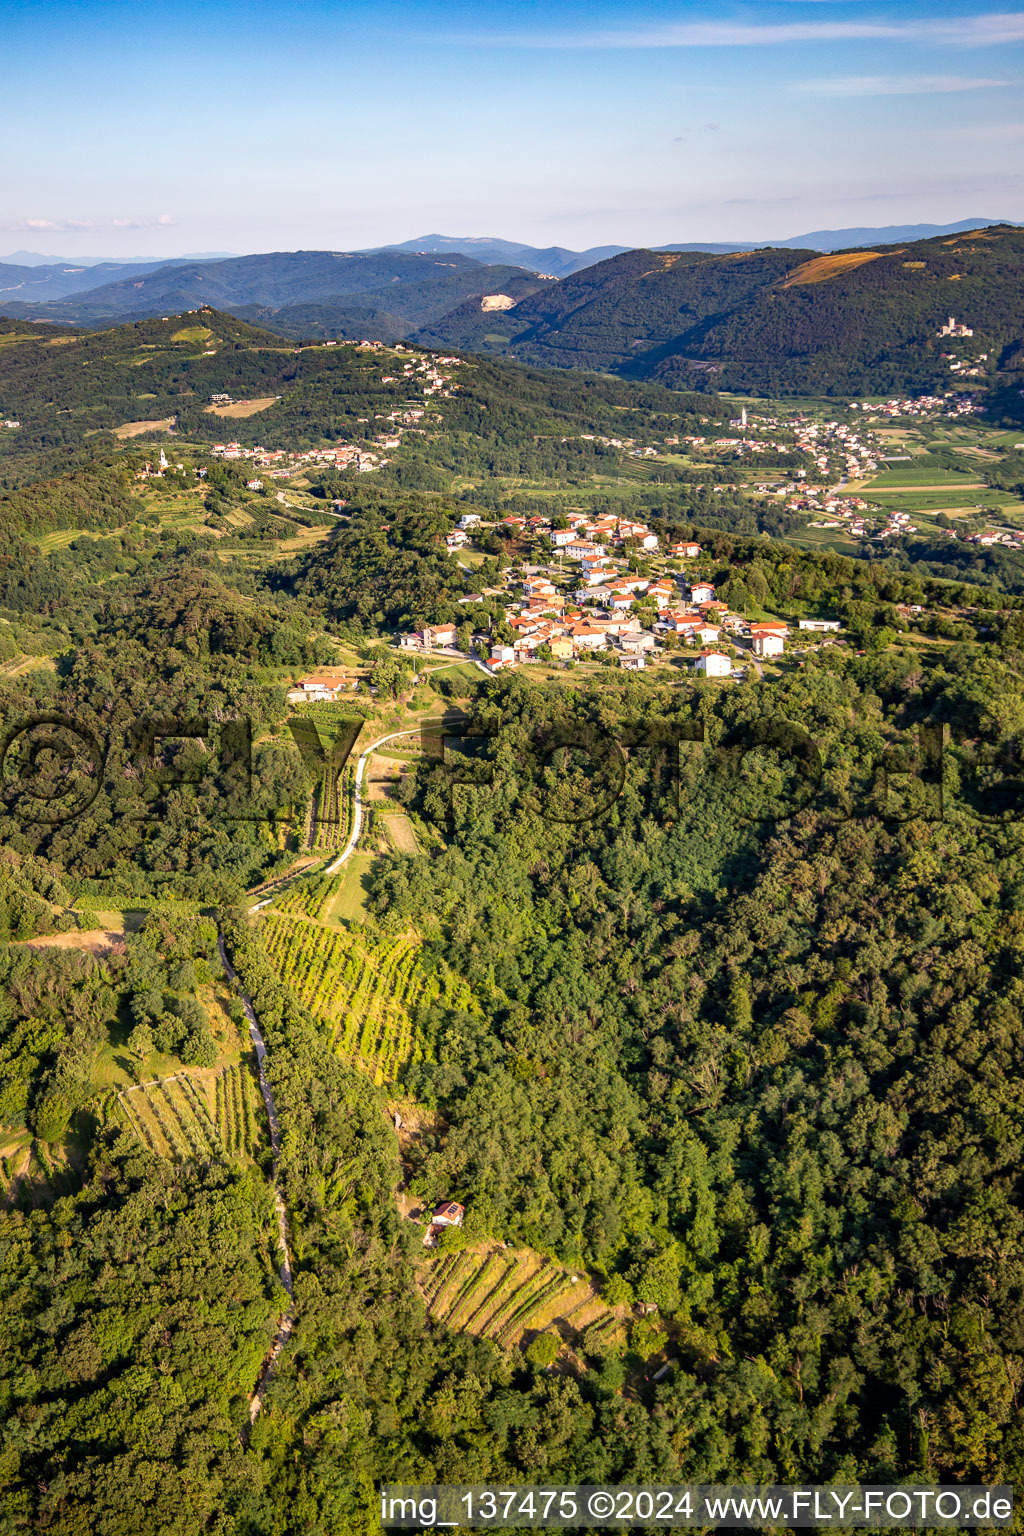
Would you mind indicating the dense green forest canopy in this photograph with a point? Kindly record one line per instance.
(747, 1056)
(763, 1039)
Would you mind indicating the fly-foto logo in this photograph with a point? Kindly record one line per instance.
(53, 767)
(768, 770)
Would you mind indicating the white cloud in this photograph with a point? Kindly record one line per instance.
(992, 30)
(161, 222)
(979, 131)
(896, 85)
(63, 226)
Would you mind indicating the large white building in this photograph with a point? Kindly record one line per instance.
(714, 664)
(320, 690)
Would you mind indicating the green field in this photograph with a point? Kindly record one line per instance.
(904, 500)
(466, 670)
(826, 538)
(920, 475)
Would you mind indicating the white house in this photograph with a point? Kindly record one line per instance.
(633, 663)
(663, 593)
(819, 625)
(469, 520)
(714, 664)
(779, 630)
(503, 653)
(703, 592)
(587, 639)
(769, 645)
(448, 1214)
(320, 690)
(439, 635)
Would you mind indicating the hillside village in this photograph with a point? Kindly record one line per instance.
(603, 586)
(428, 374)
(584, 596)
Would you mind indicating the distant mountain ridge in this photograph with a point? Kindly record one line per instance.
(333, 292)
(35, 259)
(551, 261)
(772, 321)
(558, 261)
(39, 283)
(776, 320)
(884, 234)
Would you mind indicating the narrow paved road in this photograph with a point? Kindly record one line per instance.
(748, 656)
(357, 808)
(288, 1319)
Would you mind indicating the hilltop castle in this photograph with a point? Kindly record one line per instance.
(955, 328)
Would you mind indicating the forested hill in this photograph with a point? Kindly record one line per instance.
(382, 295)
(779, 320)
(74, 393)
(770, 321)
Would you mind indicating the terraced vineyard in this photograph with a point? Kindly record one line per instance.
(171, 1118)
(366, 991)
(503, 1294)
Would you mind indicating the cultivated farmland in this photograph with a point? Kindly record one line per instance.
(174, 1117)
(365, 989)
(238, 1114)
(505, 1294)
(240, 408)
(331, 810)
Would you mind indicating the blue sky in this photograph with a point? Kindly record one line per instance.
(152, 130)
